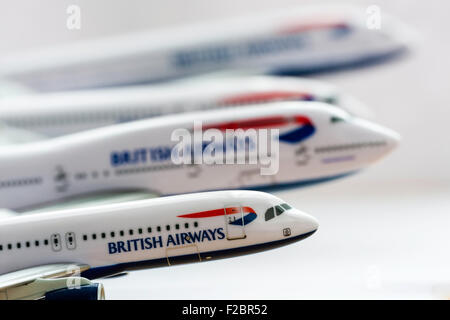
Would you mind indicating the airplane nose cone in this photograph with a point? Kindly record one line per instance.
(392, 139)
(306, 224)
(379, 140)
(311, 224)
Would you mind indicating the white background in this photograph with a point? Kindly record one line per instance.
(384, 233)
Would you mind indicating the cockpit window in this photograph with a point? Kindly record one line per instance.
(335, 119)
(331, 100)
(279, 210)
(270, 214)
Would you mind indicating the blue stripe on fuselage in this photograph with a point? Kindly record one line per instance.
(299, 134)
(247, 219)
(281, 186)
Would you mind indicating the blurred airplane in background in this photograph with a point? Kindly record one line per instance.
(295, 41)
(317, 142)
(61, 113)
(316, 145)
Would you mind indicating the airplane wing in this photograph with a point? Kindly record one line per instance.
(37, 282)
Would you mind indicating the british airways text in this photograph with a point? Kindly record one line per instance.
(163, 153)
(140, 155)
(226, 54)
(172, 240)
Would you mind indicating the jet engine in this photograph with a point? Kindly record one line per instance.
(94, 291)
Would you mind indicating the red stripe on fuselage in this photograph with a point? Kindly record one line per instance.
(266, 122)
(313, 27)
(266, 97)
(216, 212)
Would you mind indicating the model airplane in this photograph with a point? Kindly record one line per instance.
(56, 114)
(315, 142)
(55, 255)
(295, 41)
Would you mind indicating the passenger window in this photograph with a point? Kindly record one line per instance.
(279, 210)
(286, 206)
(270, 214)
(331, 100)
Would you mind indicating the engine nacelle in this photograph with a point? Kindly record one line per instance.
(94, 291)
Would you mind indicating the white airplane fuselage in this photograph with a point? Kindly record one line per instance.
(316, 142)
(57, 114)
(152, 233)
(297, 40)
